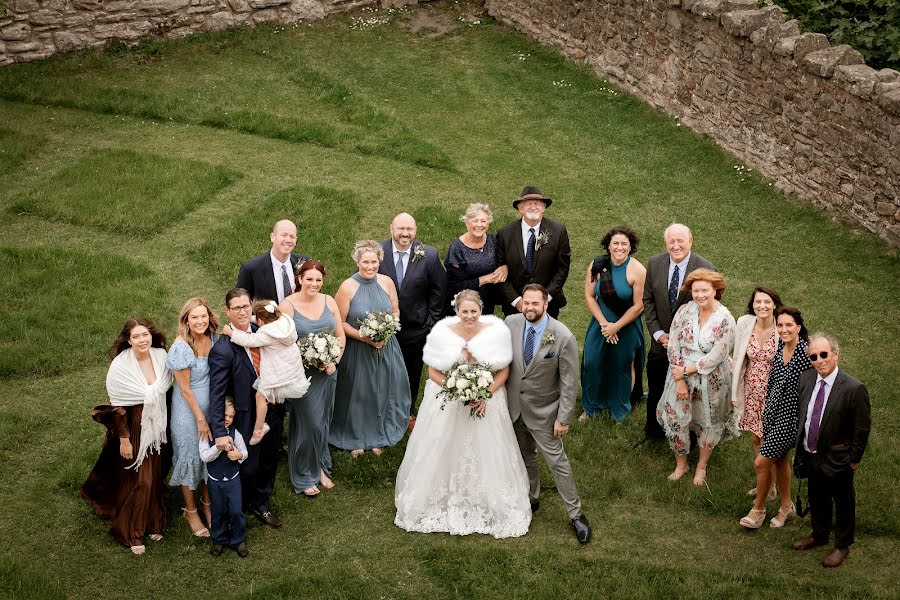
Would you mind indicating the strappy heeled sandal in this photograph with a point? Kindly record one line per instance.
(754, 518)
(200, 533)
(781, 518)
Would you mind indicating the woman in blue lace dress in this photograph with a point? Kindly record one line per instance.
(372, 399)
(309, 459)
(471, 261)
(187, 359)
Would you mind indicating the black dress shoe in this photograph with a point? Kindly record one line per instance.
(267, 518)
(217, 549)
(582, 529)
(535, 505)
(242, 550)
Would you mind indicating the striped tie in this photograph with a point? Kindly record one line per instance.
(255, 357)
(529, 346)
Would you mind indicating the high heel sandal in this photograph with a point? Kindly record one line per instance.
(200, 533)
(311, 492)
(781, 518)
(754, 518)
(138, 549)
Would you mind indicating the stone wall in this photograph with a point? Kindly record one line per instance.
(811, 117)
(34, 29)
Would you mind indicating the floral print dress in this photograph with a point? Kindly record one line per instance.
(756, 380)
(708, 411)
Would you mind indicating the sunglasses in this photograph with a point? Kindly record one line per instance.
(815, 357)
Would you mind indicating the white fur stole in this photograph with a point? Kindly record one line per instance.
(492, 345)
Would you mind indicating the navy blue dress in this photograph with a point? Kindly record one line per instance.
(465, 265)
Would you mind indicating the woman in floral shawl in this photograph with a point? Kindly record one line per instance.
(697, 394)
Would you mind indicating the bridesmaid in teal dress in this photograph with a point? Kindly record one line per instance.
(614, 344)
(371, 404)
(309, 459)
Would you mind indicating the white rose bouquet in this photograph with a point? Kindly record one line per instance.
(379, 326)
(467, 383)
(319, 349)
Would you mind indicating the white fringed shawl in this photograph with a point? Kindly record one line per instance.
(126, 386)
(492, 345)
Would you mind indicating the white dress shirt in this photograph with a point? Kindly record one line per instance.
(279, 280)
(829, 384)
(396, 254)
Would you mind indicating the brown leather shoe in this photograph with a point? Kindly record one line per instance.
(835, 557)
(807, 543)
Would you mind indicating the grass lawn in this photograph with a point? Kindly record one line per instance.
(132, 180)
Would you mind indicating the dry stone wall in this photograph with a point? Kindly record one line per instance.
(809, 116)
(35, 29)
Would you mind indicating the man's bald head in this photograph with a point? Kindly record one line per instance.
(403, 230)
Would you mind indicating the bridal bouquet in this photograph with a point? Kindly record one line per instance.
(379, 326)
(319, 350)
(467, 383)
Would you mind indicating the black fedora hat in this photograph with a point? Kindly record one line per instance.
(531, 193)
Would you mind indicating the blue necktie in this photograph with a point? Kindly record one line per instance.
(529, 346)
(529, 254)
(399, 268)
(673, 289)
(286, 283)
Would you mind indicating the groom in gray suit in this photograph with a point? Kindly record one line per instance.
(542, 386)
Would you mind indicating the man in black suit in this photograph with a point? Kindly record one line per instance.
(833, 428)
(662, 297)
(535, 250)
(421, 283)
(232, 373)
(270, 276)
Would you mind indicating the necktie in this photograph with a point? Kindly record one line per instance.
(529, 346)
(673, 289)
(285, 284)
(529, 254)
(255, 357)
(399, 269)
(812, 436)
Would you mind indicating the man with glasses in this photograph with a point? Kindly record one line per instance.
(833, 428)
(232, 371)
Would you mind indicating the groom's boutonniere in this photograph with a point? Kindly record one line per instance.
(542, 238)
(418, 252)
(548, 338)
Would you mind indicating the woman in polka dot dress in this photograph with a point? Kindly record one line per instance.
(780, 418)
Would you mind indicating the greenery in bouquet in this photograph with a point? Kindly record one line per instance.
(379, 326)
(319, 349)
(467, 383)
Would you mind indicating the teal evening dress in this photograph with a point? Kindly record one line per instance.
(606, 368)
(372, 399)
(310, 416)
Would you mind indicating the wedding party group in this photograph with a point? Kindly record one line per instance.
(209, 411)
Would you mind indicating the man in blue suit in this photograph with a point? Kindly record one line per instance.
(232, 373)
(421, 283)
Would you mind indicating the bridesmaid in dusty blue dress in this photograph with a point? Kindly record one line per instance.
(614, 344)
(187, 359)
(371, 403)
(309, 459)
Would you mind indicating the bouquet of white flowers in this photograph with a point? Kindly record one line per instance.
(467, 383)
(379, 326)
(319, 349)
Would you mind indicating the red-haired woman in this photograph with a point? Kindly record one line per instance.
(697, 394)
(126, 485)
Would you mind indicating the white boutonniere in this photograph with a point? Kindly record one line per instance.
(418, 252)
(542, 238)
(548, 338)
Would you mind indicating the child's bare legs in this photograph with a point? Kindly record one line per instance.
(260, 428)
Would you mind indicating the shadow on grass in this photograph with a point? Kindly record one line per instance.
(326, 219)
(63, 307)
(15, 147)
(124, 191)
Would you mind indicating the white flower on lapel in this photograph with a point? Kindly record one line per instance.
(542, 238)
(418, 252)
(548, 338)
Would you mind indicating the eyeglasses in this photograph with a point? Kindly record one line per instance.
(241, 309)
(815, 357)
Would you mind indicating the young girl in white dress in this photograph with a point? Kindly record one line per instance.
(461, 474)
(281, 373)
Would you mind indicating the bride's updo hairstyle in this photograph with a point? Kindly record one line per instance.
(470, 295)
(363, 246)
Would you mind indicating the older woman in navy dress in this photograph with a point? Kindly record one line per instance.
(309, 459)
(187, 359)
(372, 399)
(471, 261)
(779, 420)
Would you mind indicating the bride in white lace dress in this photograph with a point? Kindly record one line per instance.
(461, 474)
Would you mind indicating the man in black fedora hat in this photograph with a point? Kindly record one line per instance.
(536, 250)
